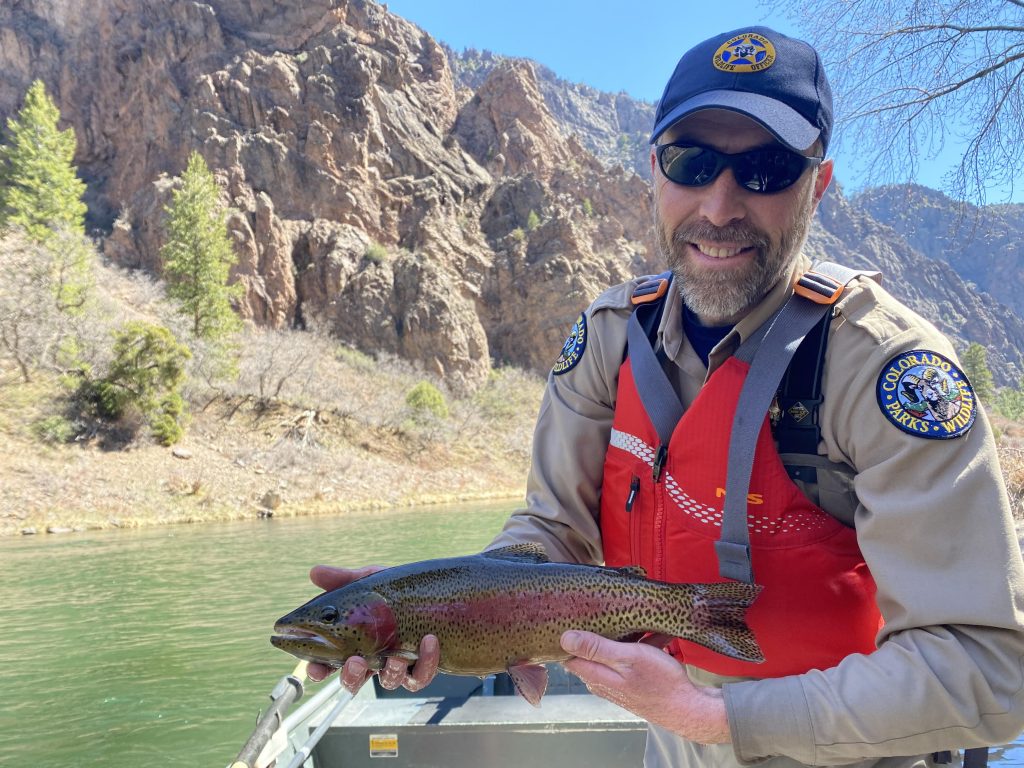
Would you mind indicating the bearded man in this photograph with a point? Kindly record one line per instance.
(745, 417)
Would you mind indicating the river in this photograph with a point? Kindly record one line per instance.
(129, 648)
(150, 647)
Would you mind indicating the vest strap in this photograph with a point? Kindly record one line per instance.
(785, 333)
(656, 392)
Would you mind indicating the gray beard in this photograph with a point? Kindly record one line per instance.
(722, 295)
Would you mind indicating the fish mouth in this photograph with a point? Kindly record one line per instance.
(286, 634)
(307, 645)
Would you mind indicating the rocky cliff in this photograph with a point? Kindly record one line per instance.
(984, 245)
(370, 194)
(453, 209)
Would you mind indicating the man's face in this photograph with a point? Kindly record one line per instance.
(727, 245)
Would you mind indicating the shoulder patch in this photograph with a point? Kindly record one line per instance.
(925, 394)
(572, 350)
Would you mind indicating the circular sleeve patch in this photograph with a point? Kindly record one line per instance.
(925, 394)
(572, 350)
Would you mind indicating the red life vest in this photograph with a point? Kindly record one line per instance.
(817, 605)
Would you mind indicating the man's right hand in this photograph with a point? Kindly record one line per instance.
(356, 671)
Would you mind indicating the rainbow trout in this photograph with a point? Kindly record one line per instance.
(504, 610)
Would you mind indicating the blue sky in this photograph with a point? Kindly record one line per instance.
(612, 46)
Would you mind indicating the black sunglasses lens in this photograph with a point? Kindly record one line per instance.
(768, 170)
(689, 166)
(759, 170)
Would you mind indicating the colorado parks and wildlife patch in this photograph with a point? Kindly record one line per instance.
(572, 350)
(925, 394)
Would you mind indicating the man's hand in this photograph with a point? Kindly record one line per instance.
(649, 683)
(356, 671)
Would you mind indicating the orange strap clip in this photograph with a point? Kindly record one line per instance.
(650, 291)
(819, 288)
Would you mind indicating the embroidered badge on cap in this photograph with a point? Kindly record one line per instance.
(572, 350)
(925, 394)
(748, 52)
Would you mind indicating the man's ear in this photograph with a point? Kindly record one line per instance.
(823, 179)
(654, 163)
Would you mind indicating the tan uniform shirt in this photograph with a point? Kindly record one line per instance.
(933, 522)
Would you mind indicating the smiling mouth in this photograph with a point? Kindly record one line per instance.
(720, 251)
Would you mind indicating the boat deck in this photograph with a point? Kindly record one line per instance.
(458, 722)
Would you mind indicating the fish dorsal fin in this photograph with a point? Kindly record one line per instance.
(527, 552)
(632, 570)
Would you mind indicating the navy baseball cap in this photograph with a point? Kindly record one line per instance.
(774, 79)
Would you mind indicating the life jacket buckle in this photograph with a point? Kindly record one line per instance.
(819, 288)
(651, 290)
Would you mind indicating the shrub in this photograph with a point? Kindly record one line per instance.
(376, 253)
(54, 429)
(532, 221)
(145, 376)
(426, 399)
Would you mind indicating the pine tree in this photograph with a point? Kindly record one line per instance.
(198, 255)
(975, 362)
(40, 191)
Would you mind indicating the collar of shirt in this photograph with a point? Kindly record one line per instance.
(681, 351)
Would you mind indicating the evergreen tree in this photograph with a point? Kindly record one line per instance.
(198, 255)
(40, 191)
(975, 362)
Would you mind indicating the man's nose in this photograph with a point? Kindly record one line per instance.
(722, 200)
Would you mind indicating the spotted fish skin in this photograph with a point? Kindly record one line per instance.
(506, 609)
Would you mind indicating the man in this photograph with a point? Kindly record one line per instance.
(892, 607)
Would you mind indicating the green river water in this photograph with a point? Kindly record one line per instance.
(144, 648)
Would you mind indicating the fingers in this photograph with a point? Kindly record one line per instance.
(329, 577)
(425, 668)
(317, 672)
(355, 672)
(587, 645)
(396, 673)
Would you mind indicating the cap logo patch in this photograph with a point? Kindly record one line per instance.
(572, 350)
(748, 52)
(925, 394)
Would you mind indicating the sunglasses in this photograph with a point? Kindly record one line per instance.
(766, 170)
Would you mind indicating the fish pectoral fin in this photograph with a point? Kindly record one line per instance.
(527, 552)
(531, 680)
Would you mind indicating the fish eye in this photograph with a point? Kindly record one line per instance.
(328, 614)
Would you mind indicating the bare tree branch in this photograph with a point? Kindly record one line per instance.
(914, 77)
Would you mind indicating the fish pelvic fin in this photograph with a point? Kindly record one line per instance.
(531, 680)
(719, 620)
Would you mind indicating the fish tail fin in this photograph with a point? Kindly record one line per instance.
(719, 620)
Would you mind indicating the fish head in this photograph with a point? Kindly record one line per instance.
(338, 624)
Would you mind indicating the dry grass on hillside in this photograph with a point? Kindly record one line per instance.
(309, 427)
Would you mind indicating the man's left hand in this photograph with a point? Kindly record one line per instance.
(649, 683)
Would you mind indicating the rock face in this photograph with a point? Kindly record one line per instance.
(847, 233)
(453, 209)
(983, 245)
(370, 195)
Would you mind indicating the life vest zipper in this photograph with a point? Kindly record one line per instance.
(634, 489)
(659, 462)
